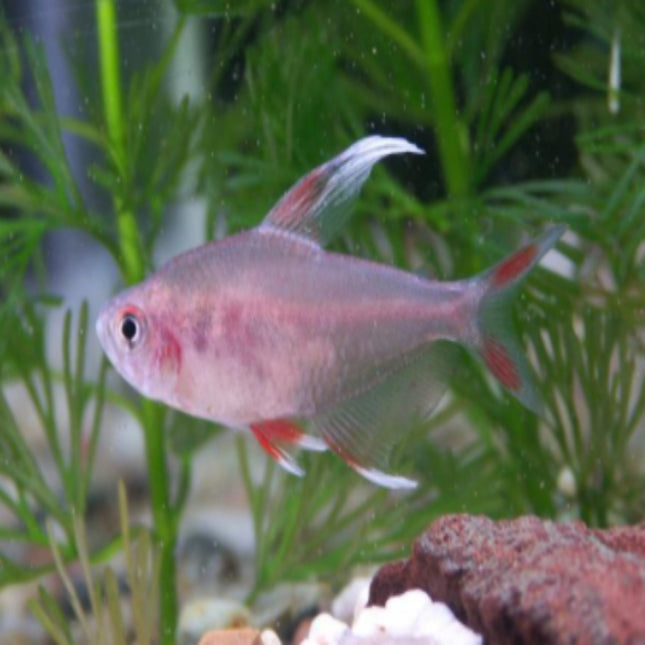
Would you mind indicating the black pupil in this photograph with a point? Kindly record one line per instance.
(129, 327)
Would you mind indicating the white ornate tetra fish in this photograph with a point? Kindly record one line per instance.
(265, 331)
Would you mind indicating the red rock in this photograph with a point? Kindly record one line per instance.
(529, 580)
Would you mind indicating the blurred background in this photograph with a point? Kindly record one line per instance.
(131, 130)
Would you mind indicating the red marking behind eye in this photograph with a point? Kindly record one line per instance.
(512, 268)
(501, 364)
(169, 354)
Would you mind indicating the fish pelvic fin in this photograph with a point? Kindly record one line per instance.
(496, 339)
(318, 205)
(276, 435)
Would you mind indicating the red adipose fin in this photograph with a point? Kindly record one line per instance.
(275, 434)
(497, 340)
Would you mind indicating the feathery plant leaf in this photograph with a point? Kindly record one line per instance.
(105, 624)
(26, 490)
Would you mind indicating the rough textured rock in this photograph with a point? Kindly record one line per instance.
(529, 580)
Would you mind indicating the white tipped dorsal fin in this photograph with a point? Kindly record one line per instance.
(318, 205)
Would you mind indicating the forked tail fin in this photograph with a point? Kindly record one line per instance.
(497, 341)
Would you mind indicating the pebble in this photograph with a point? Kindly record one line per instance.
(246, 636)
(407, 619)
(351, 600)
(214, 614)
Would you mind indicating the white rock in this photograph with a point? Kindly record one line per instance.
(370, 621)
(269, 637)
(404, 615)
(566, 482)
(351, 600)
(437, 616)
(409, 619)
(326, 630)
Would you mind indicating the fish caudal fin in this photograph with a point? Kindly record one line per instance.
(497, 341)
(275, 435)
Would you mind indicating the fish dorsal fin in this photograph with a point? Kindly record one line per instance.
(397, 397)
(318, 205)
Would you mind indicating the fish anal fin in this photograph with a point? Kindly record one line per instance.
(394, 482)
(318, 205)
(397, 398)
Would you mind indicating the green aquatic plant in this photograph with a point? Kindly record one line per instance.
(105, 623)
(126, 134)
(25, 368)
(289, 86)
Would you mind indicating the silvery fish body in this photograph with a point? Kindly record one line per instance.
(266, 331)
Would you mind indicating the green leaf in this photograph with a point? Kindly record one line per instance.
(224, 8)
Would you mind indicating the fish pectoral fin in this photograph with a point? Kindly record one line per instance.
(276, 434)
(319, 204)
(397, 398)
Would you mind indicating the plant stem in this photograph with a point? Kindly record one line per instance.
(130, 247)
(162, 515)
(133, 268)
(110, 76)
(451, 133)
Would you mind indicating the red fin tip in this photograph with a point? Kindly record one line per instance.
(501, 364)
(265, 433)
(279, 430)
(513, 268)
(301, 198)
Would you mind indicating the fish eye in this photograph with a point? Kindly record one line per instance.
(130, 328)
